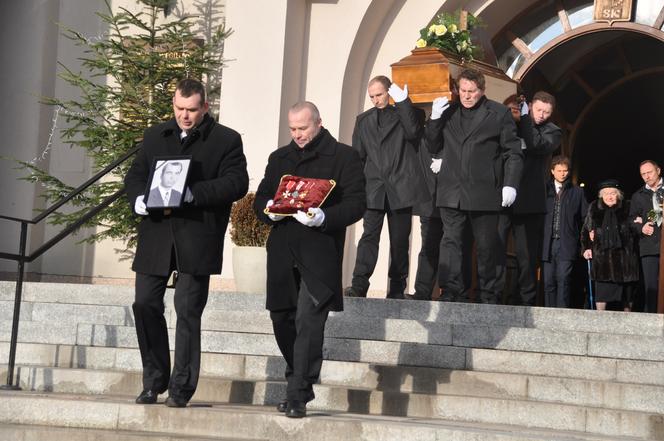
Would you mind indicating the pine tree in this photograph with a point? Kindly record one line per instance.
(126, 84)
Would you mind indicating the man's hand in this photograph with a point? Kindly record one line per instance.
(648, 229)
(188, 195)
(436, 164)
(509, 196)
(313, 218)
(524, 108)
(591, 235)
(397, 93)
(439, 105)
(588, 254)
(139, 206)
(273, 217)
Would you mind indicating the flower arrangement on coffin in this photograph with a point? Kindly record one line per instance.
(445, 33)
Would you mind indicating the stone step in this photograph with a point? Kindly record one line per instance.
(572, 320)
(212, 420)
(401, 341)
(261, 367)
(18, 432)
(400, 392)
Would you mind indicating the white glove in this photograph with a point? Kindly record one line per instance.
(139, 206)
(273, 217)
(397, 93)
(188, 195)
(314, 218)
(509, 196)
(435, 165)
(438, 106)
(524, 108)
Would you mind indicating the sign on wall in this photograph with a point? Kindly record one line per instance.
(613, 10)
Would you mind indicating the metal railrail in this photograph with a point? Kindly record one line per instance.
(21, 258)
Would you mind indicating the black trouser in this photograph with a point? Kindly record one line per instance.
(399, 224)
(527, 232)
(557, 275)
(484, 226)
(191, 293)
(300, 333)
(650, 267)
(431, 229)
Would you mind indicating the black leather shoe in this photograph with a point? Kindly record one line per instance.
(296, 409)
(175, 402)
(353, 292)
(282, 406)
(147, 397)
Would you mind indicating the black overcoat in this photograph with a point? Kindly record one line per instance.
(316, 251)
(217, 178)
(617, 265)
(389, 154)
(479, 162)
(573, 209)
(640, 205)
(541, 141)
(427, 208)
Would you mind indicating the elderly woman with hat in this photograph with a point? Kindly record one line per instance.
(608, 239)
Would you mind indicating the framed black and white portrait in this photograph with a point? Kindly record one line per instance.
(167, 182)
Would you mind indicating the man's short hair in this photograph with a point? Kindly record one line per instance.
(560, 160)
(189, 86)
(301, 105)
(163, 169)
(512, 99)
(545, 97)
(649, 161)
(473, 75)
(382, 79)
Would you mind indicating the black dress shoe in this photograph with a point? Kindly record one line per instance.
(147, 397)
(352, 292)
(282, 406)
(175, 402)
(296, 409)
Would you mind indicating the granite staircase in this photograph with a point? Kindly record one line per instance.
(393, 370)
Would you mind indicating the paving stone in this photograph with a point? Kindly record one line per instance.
(626, 346)
(554, 365)
(38, 332)
(92, 314)
(520, 339)
(606, 322)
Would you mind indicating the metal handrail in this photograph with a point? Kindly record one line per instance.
(22, 257)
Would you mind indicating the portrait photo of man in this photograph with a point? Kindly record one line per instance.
(167, 183)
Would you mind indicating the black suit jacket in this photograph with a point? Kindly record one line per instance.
(641, 204)
(389, 154)
(316, 251)
(155, 199)
(476, 163)
(573, 208)
(217, 177)
(541, 141)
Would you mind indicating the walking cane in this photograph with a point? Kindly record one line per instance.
(591, 301)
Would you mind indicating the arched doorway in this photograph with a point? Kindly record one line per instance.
(607, 77)
(609, 84)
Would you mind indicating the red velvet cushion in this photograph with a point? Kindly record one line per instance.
(297, 193)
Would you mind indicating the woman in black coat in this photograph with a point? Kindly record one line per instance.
(608, 239)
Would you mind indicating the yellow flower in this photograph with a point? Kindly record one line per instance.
(432, 29)
(420, 43)
(453, 28)
(463, 46)
(440, 30)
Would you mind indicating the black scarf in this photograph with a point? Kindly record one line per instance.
(610, 233)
